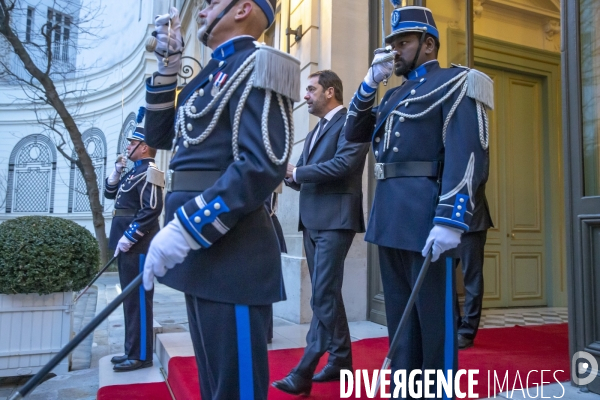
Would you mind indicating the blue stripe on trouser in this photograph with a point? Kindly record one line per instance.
(246, 377)
(449, 321)
(142, 294)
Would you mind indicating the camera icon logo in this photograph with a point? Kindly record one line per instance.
(583, 363)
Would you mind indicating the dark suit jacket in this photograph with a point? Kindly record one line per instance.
(330, 180)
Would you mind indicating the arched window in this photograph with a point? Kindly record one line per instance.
(31, 176)
(95, 144)
(126, 131)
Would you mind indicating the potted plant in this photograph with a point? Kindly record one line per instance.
(43, 260)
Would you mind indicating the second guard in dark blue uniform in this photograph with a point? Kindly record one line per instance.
(429, 138)
(231, 134)
(138, 199)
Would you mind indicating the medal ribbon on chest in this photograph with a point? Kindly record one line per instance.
(218, 84)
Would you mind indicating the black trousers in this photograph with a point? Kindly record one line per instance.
(230, 344)
(428, 341)
(471, 256)
(137, 309)
(325, 254)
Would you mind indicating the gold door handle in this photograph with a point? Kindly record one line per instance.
(513, 235)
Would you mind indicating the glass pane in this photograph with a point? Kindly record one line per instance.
(590, 87)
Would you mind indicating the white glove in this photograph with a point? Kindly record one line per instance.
(174, 42)
(115, 176)
(442, 238)
(381, 68)
(168, 248)
(124, 245)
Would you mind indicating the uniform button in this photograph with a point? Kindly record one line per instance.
(406, 105)
(186, 144)
(459, 207)
(217, 206)
(210, 77)
(207, 213)
(193, 109)
(395, 149)
(462, 200)
(201, 92)
(377, 140)
(221, 63)
(422, 79)
(174, 141)
(197, 220)
(189, 127)
(397, 134)
(376, 153)
(413, 92)
(176, 149)
(401, 119)
(458, 214)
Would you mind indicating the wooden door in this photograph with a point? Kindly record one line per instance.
(514, 271)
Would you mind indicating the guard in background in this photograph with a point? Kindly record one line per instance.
(471, 257)
(231, 134)
(430, 139)
(138, 199)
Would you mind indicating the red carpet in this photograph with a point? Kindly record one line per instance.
(515, 351)
(140, 391)
(503, 352)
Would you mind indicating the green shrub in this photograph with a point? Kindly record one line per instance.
(45, 255)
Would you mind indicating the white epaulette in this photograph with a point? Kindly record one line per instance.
(155, 176)
(277, 71)
(480, 87)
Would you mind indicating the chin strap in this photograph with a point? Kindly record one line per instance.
(421, 41)
(133, 152)
(216, 21)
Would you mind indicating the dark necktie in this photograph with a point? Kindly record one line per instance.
(318, 130)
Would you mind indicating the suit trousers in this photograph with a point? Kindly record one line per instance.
(326, 251)
(428, 340)
(137, 309)
(471, 255)
(230, 344)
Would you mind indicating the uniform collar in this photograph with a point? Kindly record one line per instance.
(142, 161)
(423, 69)
(231, 46)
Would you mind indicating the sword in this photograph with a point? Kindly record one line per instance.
(405, 314)
(89, 328)
(94, 280)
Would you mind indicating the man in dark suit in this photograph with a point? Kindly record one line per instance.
(471, 256)
(329, 178)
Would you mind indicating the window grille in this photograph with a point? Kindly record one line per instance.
(32, 173)
(95, 145)
(29, 27)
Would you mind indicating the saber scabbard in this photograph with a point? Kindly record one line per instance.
(405, 315)
(89, 328)
(85, 289)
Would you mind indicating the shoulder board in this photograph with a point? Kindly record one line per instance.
(155, 176)
(459, 66)
(277, 71)
(480, 87)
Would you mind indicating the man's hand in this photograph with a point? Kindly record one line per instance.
(168, 248)
(172, 42)
(442, 238)
(289, 173)
(124, 245)
(381, 68)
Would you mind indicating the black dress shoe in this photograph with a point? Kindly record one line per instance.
(132, 365)
(294, 384)
(329, 373)
(118, 359)
(464, 342)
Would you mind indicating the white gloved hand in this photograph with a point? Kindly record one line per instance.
(442, 238)
(168, 248)
(381, 68)
(124, 245)
(115, 176)
(174, 42)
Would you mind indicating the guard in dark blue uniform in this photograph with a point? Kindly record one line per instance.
(231, 134)
(429, 138)
(138, 199)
